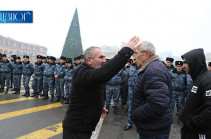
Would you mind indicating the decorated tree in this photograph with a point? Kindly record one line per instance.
(73, 46)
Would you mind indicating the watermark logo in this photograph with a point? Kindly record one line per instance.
(16, 16)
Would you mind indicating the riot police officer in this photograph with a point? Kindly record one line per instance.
(59, 78)
(169, 63)
(48, 78)
(17, 72)
(37, 82)
(179, 86)
(28, 70)
(69, 70)
(133, 74)
(5, 70)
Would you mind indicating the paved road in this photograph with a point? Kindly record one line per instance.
(22, 118)
(113, 125)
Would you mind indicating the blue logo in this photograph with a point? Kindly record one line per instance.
(16, 16)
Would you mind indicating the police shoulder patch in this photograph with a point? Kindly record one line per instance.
(194, 89)
(208, 93)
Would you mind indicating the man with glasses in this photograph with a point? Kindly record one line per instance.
(179, 86)
(152, 95)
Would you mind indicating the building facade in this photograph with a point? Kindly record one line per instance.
(10, 47)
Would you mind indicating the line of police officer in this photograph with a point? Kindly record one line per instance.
(47, 75)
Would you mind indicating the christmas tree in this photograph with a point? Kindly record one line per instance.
(73, 46)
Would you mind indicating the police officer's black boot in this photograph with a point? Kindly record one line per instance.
(6, 92)
(67, 101)
(36, 95)
(14, 90)
(52, 98)
(41, 94)
(33, 94)
(107, 107)
(17, 92)
(115, 112)
(123, 105)
(45, 97)
(27, 94)
(62, 100)
(57, 99)
(24, 94)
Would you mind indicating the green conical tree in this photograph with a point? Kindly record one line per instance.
(73, 46)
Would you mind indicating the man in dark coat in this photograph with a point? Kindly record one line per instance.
(87, 94)
(152, 96)
(196, 114)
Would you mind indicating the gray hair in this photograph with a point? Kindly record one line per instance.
(90, 52)
(148, 46)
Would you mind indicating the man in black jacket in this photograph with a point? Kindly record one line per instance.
(196, 115)
(88, 90)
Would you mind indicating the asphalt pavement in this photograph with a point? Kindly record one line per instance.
(30, 118)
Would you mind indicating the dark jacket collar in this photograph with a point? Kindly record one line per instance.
(175, 71)
(26, 62)
(40, 63)
(7, 61)
(18, 63)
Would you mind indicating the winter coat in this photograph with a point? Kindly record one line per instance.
(49, 69)
(38, 69)
(196, 114)
(69, 73)
(88, 93)
(28, 68)
(60, 70)
(18, 68)
(179, 81)
(152, 99)
(5, 67)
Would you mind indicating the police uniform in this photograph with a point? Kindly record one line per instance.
(48, 80)
(113, 89)
(17, 72)
(179, 86)
(28, 70)
(60, 72)
(68, 79)
(12, 61)
(0, 72)
(37, 82)
(5, 70)
(133, 75)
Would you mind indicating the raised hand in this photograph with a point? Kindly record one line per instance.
(132, 43)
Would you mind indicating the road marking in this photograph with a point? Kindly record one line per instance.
(28, 111)
(16, 100)
(44, 133)
(96, 133)
(10, 92)
(25, 91)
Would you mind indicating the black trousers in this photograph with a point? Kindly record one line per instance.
(70, 135)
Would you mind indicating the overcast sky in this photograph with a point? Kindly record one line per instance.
(171, 25)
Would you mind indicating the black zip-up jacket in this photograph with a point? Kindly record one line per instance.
(197, 110)
(88, 93)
